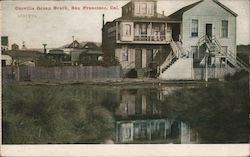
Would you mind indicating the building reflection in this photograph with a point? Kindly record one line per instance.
(154, 131)
(140, 120)
(138, 103)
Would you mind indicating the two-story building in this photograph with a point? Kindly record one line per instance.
(198, 35)
(139, 38)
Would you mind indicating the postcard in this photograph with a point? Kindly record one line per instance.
(125, 77)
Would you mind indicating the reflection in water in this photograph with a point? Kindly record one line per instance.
(154, 131)
(138, 104)
(119, 114)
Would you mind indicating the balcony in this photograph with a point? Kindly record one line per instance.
(146, 37)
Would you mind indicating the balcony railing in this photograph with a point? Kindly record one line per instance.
(150, 38)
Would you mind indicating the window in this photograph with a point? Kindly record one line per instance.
(125, 54)
(137, 30)
(128, 30)
(151, 9)
(137, 8)
(194, 29)
(224, 29)
(143, 8)
(143, 29)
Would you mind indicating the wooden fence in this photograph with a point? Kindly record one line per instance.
(212, 73)
(64, 73)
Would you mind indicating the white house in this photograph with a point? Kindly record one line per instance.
(210, 18)
(207, 35)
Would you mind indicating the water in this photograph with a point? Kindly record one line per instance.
(141, 114)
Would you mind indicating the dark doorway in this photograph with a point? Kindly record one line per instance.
(3, 63)
(138, 58)
(176, 31)
(209, 30)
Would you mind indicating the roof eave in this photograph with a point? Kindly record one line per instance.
(225, 7)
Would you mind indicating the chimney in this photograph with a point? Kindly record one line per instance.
(102, 20)
(163, 12)
(23, 47)
(44, 48)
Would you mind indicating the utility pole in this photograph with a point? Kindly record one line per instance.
(206, 60)
(44, 48)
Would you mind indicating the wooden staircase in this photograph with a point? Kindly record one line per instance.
(176, 53)
(215, 48)
(172, 62)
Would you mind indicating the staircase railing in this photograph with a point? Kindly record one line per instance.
(175, 48)
(239, 62)
(174, 53)
(167, 61)
(234, 59)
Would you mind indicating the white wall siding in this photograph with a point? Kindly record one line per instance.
(209, 12)
(131, 58)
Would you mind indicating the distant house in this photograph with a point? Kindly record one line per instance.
(20, 57)
(202, 32)
(85, 53)
(14, 47)
(58, 55)
(6, 59)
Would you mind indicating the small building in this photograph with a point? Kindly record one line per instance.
(6, 59)
(21, 56)
(85, 53)
(14, 47)
(58, 55)
(90, 57)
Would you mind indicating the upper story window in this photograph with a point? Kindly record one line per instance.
(127, 30)
(224, 28)
(194, 28)
(150, 9)
(143, 8)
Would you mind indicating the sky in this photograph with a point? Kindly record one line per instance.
(32, 22)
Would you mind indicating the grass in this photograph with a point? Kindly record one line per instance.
(54, 114)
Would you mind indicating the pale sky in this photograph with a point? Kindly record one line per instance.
(56, 27)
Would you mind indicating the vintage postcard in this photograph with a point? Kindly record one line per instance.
(125, 77)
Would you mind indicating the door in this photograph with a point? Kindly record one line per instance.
(209, 32)
(138, 58)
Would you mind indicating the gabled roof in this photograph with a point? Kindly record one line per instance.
(74, 44)
(178, 14)
(225, 7)
(91, 45)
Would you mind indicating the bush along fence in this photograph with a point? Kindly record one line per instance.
(64, 73)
